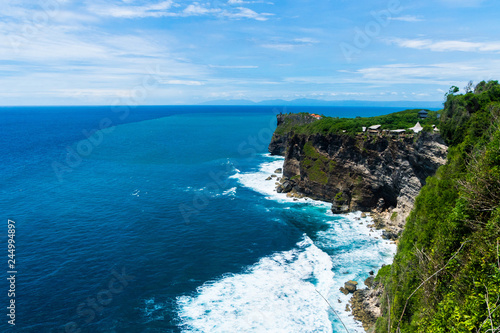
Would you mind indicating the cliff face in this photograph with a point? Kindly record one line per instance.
(282, 133)
(364, 172)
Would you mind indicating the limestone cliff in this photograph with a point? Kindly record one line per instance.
(282, 133)
(374, 172)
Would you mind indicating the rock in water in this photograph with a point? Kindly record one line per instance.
(340, 204)
(369, 281)
(279, 170)
(351, 286)
(287, 186)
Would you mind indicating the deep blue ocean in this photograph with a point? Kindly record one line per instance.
(162, 221)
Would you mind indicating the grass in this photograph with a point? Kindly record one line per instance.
(326, 125)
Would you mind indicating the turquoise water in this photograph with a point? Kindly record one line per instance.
(165, 223)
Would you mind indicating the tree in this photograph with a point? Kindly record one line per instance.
(468, 87)
(453, 90)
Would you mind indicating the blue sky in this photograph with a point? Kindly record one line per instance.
(64, 52)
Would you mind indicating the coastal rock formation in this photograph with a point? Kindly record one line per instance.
(374, 173)
(280, 136)
(365, 305)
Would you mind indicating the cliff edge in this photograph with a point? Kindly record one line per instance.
(378, 172)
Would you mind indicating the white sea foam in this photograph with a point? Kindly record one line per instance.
(231, 192)
(277, 294)
(257, 182)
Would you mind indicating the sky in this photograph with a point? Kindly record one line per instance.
(93, 52)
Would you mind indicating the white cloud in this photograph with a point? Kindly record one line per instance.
(241, 2)
(463, 3)
(306, 40)
(247, 13)
(439, 73)
(280, 46)
(447, 45)
(182, 82)
(233, 67)
(290, 45)
(151, 10)
(407, 18)
(170, 9)
(197, 10)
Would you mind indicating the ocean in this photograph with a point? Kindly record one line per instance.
(160, 219)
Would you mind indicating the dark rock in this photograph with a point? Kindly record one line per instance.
(347, 308)
(279, 170)
(343, 290)
(341, 202)
(351, 286)
(372, 272)
(287, 186)
(380, 204)
(340, 209)
(268, 178)
(389, 235)
(369, 281)
(279, 189)
(361, 310)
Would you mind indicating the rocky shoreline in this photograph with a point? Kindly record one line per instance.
(364, 303)
(377, 175)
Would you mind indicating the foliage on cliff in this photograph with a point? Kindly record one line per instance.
(446, 273)
(330, 125)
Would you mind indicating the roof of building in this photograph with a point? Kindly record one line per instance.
(374, 127)
(417, 128)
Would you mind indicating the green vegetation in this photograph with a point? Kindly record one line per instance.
(293, 120)
(398, 120)
(446, 273)
(394, 215)
(316, 164)
(339, 197)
